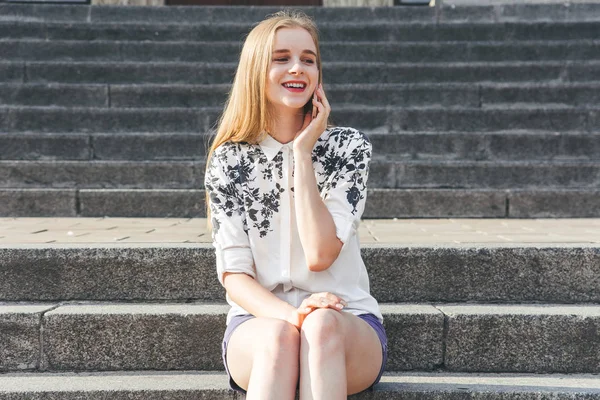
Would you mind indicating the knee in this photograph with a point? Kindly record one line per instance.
(323, 329)
(280, 338)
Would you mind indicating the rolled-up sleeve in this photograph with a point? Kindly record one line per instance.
(345, 199)
(228, 217)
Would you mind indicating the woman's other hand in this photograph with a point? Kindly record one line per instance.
(314, 124)
(315, 301)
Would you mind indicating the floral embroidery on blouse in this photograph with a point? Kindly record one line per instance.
(340, 158)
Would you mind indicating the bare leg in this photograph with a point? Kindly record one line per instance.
(262, 356)
(340, 354)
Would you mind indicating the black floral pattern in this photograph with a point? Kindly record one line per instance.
(242, 181)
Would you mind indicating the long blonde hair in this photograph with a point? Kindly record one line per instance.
(246, 117)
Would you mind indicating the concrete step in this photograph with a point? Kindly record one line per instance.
(365, 31)
(228, 52)
(450, 95)
(381, 203)
(376, 119)
(383, 174)
(576, 11)
(430, 261)
(334, 72)
(519, 338)
(435, 146)
(191, 385)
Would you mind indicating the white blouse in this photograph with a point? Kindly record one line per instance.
(251, 189)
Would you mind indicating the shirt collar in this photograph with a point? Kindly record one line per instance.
(270, 147)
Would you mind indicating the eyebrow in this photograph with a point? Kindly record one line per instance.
(288, 51)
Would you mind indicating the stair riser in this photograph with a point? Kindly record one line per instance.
(188, 339)
(492, 13)
(375, 120)
(381, 203)
(396, 274)
(363, 31)
(229, 52)
(453, 96)
(405, 146)
(383, 174)
(343, 74)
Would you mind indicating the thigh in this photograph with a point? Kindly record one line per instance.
(364, 353)
(253, 337)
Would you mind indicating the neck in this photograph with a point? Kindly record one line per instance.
(286, 125)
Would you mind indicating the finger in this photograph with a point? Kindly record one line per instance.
(336, 299)
(305, 308)
(324, 100)
(324, 302)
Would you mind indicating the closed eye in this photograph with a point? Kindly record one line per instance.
(308, 60)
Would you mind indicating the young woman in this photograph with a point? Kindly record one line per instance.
(286, 194)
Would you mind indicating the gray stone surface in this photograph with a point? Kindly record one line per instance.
(214, 386)
(57, 50)
(368, 94)
(330, 31)
(381, 203)
(492, 119)
(11, 71)
(551, 146)
(151, 72)
(582, 71)
(575, 94)
(37, 202)
(106, 120)
(375, 119)
(482, 13)
(255, 14)
(572, 11)
(168, 96)
(488, 175)
(144, 336)
(102, 174)
(483, 274)
(343, 73)
(44, 147)
(541, 339)
(109, 274)
(480, 146)
(397, 273)
(20, 336)
(554, 204)
(157, 146)
(134, 337)
(142, 203)
(442, 203)
(57, 95)
(41, 12)
(415, 337)
(27, 50)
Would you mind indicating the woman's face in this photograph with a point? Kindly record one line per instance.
(294, 60)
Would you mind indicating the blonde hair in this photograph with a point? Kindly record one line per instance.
(246, 117)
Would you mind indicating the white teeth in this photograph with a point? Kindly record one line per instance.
(294, 85)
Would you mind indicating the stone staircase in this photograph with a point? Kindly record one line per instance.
(487, 111)
(467, 317)
(474, 111)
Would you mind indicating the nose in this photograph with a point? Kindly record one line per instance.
(297, 68)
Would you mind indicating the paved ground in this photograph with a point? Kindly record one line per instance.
(398, 231)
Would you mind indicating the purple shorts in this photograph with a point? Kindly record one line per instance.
(368, 318)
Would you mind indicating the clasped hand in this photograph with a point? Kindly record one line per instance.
(314, 123)
(315, 301)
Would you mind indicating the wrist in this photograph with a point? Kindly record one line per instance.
(301, 155)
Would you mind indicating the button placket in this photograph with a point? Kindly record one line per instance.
(286, 221)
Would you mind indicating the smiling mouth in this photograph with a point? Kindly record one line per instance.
(295, 89)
